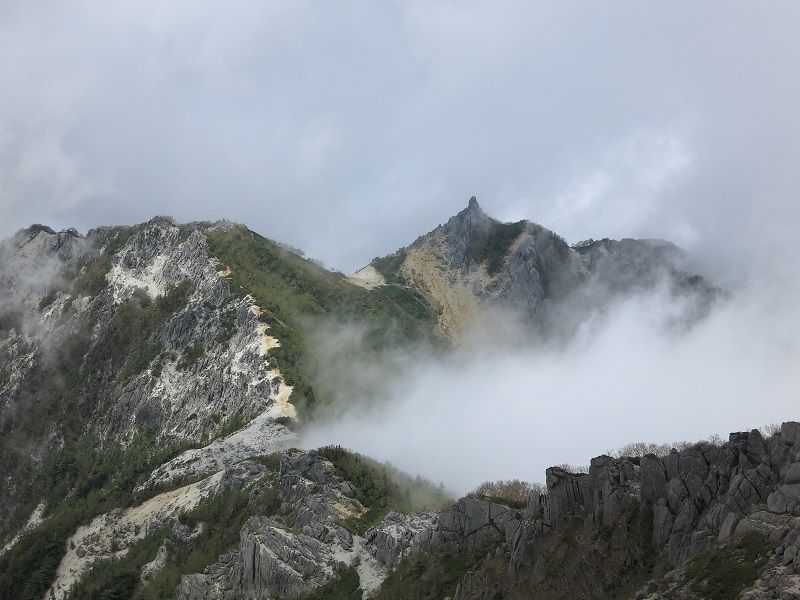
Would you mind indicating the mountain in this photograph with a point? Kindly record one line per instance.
(474, 262)
(153, 379)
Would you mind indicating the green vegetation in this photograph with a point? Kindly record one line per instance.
(227, 321)
(389, 266)
(222, 516)
(93, 268)
(287, 422)
(380, 488)
(492, 246)
(612, 561)
(430, 575)
(229, 425)
(127, 335)
(78, 483)
(295, 294)
(48, 299)
(83, 478)
(117, 578)
(4, 377)
(190, 356)
(140, 360)
(724, 572)
(344, 587)
(413, 303)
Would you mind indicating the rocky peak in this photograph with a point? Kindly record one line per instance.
(474, 208)
(474, 261)
(469, 222)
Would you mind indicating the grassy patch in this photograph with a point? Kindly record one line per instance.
(93, 269)
(140, 360)
(230, 425)
(295, 294)
(724, 572)
(492, 246)
(346, 586)
(429, 575)
(189, 357)
(125, 344)
(78, 483)
(389, 266)
(380, 488)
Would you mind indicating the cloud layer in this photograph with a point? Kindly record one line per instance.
(489, 413)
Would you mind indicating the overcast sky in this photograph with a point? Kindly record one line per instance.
(348, 129)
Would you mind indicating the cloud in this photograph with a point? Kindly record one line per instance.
(488, 413)
(348, 131)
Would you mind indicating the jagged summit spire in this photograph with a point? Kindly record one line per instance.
(473, 210)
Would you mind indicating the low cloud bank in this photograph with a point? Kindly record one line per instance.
(495, 409)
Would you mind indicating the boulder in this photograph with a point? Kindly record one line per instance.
(654, 479)
(790, 433)
(786, 499)
(792, 474)
(477, 522)
(399, 535)
(766, 523)
(662, 524)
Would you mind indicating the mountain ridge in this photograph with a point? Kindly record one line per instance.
(153, 378)
(474, 262)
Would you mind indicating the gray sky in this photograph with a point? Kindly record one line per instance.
(347, 129)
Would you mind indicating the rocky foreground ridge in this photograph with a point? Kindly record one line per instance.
(708, 521)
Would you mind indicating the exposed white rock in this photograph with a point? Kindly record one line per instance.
(33, 521)
(112, 533)
(231, 377)
(261, 436)
(303, 549)
(155, 565)
(367, 277)
(399, 535)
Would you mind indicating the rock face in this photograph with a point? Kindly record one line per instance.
(300, 550)
(701, 498)
(230, 377)
(473, 261)
(152, 332)
(400, 536)
(111, 534)
(477, 522)
(698, 495)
